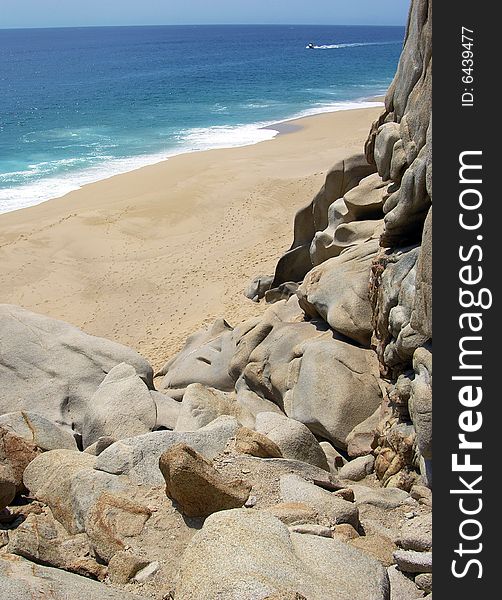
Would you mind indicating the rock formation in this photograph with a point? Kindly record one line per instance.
(289, 457)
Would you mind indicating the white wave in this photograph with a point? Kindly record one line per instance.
(353, 45)
(190, 140)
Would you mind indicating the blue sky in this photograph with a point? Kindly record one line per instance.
(67, 13)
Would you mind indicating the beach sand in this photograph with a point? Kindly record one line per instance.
(148, 257)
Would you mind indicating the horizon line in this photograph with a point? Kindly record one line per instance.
(199, 25)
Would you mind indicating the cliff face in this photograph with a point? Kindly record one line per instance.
(363, 248)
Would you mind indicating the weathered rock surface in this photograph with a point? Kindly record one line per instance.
(21, 579)
(16, 453)
(252, 555)
(138, 457)
(53, 368)
(416, 534)
(294, 439)
(204, 359)
(38, 430)
(256, 444)
(338, 291)
(121, 407)
(358, 468)
(202, 405)
(331, 406)
(196, 486)
(42, 539)
(296, 489)
(410, 561)
(401, 587)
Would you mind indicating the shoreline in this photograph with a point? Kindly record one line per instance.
(147, 257)
(282, 127)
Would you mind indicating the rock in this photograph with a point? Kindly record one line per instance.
(420, 404)
(7, 487)
(138, 457)
(256, 444)
(413, 562)
(21, 579)
(344, 176)
(296, 489)
(422, 494)
(334, 458)
(387, 136)
(293, 438)
(424, 582)
(353, 219)
(53, 368)
(99, 445)
(196, 486)
(345, 532)
(402, 588)
(42, 539)
(294, 513)
(361, 440)
(15, 455)
(416, 534)
(286, 596)
(147, 572)
(67, 482)
(38, 430)
(358, 468)
(338, 291)
(112, 519)
(121, 407)
(258, 286)
(252, 555)
(202, 405)
(345, 494)
(323, 382)
(168, 410)
(388, 498)
(379, 547)
(124, 565)
(204, 359)
(421, 318)
(312, 529)
(281, 292)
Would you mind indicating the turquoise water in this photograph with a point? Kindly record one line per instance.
(81, 104)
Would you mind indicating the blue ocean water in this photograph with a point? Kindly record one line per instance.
(81, 104)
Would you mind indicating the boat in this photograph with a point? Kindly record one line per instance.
(311, 46)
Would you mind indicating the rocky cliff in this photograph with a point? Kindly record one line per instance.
(289, 457)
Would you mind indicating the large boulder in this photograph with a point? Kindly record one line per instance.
(296, 489)
(138, 457)
(344, 176)
(38, 430)
(52, 368)
(202, 405)
(294, 439)
(16, 454)
(21, 579)
(204, 359)
(42, 539)
(121, 407)
(338, 291)
(420, 403)
(253, 555)
(196, 486)
(333, 387)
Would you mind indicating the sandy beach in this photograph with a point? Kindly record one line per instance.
(148, 257)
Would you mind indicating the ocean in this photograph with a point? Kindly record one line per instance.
(81, 104)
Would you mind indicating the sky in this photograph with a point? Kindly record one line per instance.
(80, 13)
